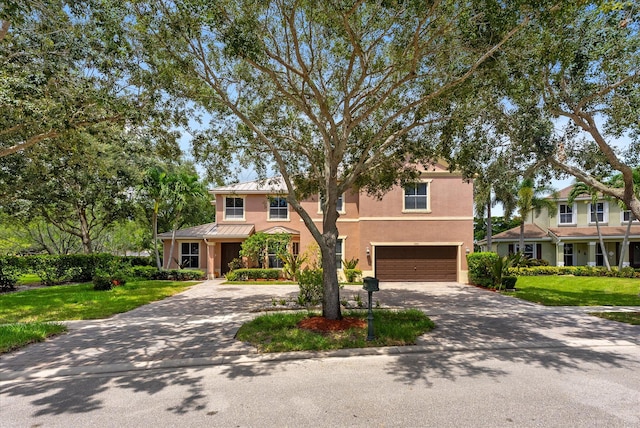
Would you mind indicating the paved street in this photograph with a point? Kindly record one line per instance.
(492, 361)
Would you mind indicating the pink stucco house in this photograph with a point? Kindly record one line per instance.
(421, 232)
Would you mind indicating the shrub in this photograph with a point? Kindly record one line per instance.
(352, 274)
(255, 274)
(480, 268)
(292, 264)
(509, 282)
(310, 282)
(144, 272)
(232, 276)
(9, 273)
(102, 282)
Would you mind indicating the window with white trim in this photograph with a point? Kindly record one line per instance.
(626, 215)
(190, 255)
(599, 209)
(339, 204)
(278, 208)
(529, 250)
(233, 208)
(339, 253)
(416, 197)
(568, 255)
(567, 214)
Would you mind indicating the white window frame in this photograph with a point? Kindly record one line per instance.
(269, 217)
(340, 208)
(605, 212)
(427, 196)
(516, 248)
(190, 254)
(571, 254)
(340, 244)
(574, 212)
(628, 215)
(244, 207)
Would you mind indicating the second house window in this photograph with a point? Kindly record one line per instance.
(278, 209)
(416, 197)
(234, 208)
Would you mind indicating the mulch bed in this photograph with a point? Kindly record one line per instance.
(322, 324)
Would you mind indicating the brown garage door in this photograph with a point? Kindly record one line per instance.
(416, 263)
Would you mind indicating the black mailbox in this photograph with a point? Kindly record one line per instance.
(370, 283)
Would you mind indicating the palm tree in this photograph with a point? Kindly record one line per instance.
(617, 181)
(494, 185)
(182, 189)
(154, 186)
(583, 189)
(531, 200)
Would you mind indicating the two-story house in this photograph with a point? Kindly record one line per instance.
(421, 232)
(570, 237)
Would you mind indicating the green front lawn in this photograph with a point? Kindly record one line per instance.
(625, 317)
(565, 290)
(81, 301)
(14, 336)
(279, 332)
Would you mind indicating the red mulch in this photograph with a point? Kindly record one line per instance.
(322, 324)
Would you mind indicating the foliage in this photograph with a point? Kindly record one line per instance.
(15, 336)
(9, 273)
(311, 287)
(480, 268)
(235, 264)
(509, 282)
(351, 263)
(292, 264)
(626, 272)
(257, 246)
(579, 291)
(253, 274)
(498, 224)
(500, 268)
(351, 275)
(279, 332)
(331, 95)
(81, 301)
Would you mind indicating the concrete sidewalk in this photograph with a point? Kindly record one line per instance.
(197, 328)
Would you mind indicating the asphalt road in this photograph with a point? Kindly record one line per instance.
(493, 361)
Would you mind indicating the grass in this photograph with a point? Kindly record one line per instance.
(259, 282)
(80, 301)
(626, 317)
(29, 279)
(564, 290)
(14, 336)
(279, 332)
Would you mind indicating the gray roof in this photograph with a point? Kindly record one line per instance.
(274, 185)
(212, 230)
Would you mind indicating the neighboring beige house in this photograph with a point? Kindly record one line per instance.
(418, 233)
(570, 238)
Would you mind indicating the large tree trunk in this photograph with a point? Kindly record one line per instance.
(84, 232)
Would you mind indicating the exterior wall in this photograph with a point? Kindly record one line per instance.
(366, 221)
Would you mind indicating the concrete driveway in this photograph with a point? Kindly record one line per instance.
(493, 360)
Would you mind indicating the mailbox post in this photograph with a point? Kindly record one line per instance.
(370, 284)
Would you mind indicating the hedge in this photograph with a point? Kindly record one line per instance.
(625, 272)
(253, 274)
(480, 268)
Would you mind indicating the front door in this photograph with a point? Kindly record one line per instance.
(634, 254)
(229, 251)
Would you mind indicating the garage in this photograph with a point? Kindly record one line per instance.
(415, 263)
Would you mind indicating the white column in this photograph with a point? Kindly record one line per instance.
(591, 260)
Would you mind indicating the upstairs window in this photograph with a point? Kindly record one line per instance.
(339, 204)
(278, 209)
(416, 197)
(233, 208)
(567, 214)
(626, 215)
(599, 211)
